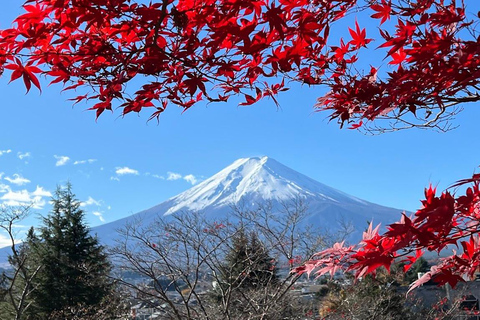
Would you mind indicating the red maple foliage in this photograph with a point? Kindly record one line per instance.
(444, 220)
(184, 51)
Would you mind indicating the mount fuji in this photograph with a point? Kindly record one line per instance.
(259, 180)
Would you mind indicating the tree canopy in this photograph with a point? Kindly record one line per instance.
(186, 51)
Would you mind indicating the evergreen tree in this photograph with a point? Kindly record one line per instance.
(246, 275)
(75, 267)
(248, 264)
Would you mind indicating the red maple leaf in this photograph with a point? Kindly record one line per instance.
(359, 37)
(383, 11)
(27, 72)
(398, 57)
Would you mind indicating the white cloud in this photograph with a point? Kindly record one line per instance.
(158, 176)
(89, 161)
(21, 196)
(24, 155)
(190, 178)
(114, 179)
(4, 188)
(90, 201)
(2, 152)
(173, 176)
(61, 160)
(24, 197)
(17, 179)
(125, 170)
(40, 192)
(5, 241)
(99, 215)
(1, 175)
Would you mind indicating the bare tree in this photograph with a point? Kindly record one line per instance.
(17, 283)
(182, 258)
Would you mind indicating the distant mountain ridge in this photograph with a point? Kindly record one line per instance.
(255, 181)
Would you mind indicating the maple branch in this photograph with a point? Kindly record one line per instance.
(159, 22)
(441, 121)
(457, 100)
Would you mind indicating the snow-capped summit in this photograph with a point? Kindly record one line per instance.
(251, 182)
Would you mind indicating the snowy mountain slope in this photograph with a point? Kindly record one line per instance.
(256, 181)
(261, 178)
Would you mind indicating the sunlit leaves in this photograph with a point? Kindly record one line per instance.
(27, 72)
(184, 51)
(359, 36)
(188, 51)
(428, 44)
(443, 220)
(383, 11)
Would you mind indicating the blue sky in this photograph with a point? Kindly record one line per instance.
(119, 166)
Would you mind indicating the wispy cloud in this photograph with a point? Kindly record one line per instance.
(99, 215)
(114, 179)
(23, 155)
(61, 160)
(125, 170)
(190, 178)
(90, 202)
(2, 152)
(173, 176)
(89, 161)
(156, 176)
(4, 188)
(17, 180)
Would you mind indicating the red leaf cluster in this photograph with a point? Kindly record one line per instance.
(187, 51)
(181, 51)
(444, 222)
(435, 48)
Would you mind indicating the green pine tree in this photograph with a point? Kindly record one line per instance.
(248, 265)
(75, 267)
(246, 274)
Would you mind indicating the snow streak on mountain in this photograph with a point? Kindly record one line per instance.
(252, 182)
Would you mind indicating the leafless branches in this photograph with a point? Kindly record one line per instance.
(19, 282)
(181, 260)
